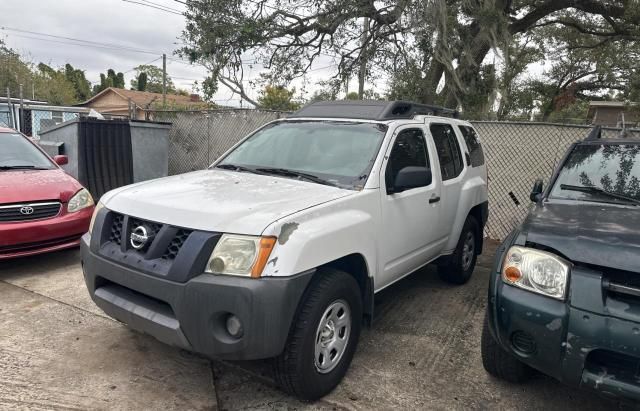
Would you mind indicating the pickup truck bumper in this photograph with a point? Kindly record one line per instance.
(193, 315)
(577, 345)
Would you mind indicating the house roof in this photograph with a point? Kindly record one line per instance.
(145, 99)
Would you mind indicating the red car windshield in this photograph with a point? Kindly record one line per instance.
(16, 152)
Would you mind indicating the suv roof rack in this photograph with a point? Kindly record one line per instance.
(371, 110)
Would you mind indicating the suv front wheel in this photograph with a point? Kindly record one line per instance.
(458, 267)
(323, 336)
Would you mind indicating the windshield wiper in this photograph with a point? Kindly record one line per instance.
(235, 167)
(596, 190)
(23, 167)
(292, 173)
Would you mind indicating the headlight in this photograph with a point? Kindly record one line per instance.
(240, 255)
(538, 271)
(99, 207)
(82, 199)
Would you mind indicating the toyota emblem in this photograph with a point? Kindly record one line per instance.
(139, 237)
(26, 210)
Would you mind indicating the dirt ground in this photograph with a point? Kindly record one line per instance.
(59, 351)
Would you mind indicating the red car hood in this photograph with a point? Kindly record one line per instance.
(22, 186)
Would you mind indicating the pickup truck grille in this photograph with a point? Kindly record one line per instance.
(28, 212)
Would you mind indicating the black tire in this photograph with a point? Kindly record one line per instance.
(500, 363)
(295, 369)
(456, 269)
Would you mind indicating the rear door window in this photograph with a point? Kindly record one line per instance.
(473, 144)
(448, 150)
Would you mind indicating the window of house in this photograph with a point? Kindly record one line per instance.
(448, 150)
(473, 144)
(409, 149)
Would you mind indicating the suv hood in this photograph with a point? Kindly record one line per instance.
(23, 186)
(589, 233)
(219, 200)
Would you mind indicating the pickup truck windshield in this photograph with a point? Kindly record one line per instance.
(18, 153)
(325, 152)
(607, 173)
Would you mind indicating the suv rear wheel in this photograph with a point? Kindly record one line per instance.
(500, 363)
(323, 336)
(458, 267)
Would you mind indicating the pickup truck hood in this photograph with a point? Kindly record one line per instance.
(589, 233)
(219, 200)
(24, 186)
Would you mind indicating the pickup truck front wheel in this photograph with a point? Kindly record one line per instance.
(500, 363)
(323, 336)
(458, 267)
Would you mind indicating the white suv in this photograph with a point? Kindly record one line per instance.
(277, 249)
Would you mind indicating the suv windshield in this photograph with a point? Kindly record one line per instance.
(325, 152)
(17, 152)
(600, 172)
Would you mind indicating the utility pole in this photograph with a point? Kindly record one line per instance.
(21, 111)
(363, 58)
(164, 80)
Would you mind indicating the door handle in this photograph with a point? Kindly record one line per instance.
(434, 199)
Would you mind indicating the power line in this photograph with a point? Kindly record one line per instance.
(75, 41)
(154, 6)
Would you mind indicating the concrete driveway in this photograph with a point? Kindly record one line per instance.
(59, 351)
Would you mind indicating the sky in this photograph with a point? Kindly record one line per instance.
(123, 24)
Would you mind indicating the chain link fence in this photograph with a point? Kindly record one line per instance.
(197, 138)
(517, 153)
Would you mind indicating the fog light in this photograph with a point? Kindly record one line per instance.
(234, 326)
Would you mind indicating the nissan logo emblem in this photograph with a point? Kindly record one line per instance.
(26, 210)
(139, 237)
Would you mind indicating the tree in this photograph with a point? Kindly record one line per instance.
(154, 79)
(111, 79)
(278, 98)
(80, 83)
(45, 82)
(53, 86)
(439, 47)
(141, 83)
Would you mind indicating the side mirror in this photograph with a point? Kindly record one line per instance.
(411, 177)
(536, 192)
(61, 160)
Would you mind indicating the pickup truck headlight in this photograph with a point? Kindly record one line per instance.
(96, 210)
(81, 199)
(240, 255)
(538, 271)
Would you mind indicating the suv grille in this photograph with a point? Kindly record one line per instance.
(116, 229)
(175, 244)
(28, 212)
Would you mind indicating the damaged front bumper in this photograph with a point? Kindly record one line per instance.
(591, 341)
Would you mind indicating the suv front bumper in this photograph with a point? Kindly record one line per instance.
(577, 346)
(192, 315)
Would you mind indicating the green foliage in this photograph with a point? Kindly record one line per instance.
(278, 98)
(141, 84)
(353, 95)
(111, 79)
(45, 82)
(80, 83)
(154, 79)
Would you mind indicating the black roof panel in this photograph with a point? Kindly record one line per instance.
(370, 110)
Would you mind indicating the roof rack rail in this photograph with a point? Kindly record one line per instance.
(371, 110)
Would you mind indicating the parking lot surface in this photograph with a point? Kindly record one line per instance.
(59, 351)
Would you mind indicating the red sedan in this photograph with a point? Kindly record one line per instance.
(42, 208)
